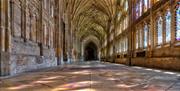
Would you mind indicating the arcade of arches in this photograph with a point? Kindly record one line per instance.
(38, 34)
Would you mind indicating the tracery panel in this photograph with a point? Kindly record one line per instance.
(178, 22)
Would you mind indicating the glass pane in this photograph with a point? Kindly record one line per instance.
(168, 26)
(145, 36)
(159, 32)
(145, 5)
(178, 24)
(140, 38)
(137, 40)
(137, 11)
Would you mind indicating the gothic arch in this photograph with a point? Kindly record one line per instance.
(93, 41)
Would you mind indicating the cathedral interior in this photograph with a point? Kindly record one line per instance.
(89, 45)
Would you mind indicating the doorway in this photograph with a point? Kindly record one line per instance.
(91, 52)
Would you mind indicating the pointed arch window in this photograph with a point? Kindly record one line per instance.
(168, 26)
(146, 35)
(178, 23)
(159, 31)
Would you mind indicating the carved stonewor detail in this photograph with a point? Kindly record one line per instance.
(39, 60)
(21, 61)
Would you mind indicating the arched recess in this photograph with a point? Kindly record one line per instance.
(90, 52)
(93, 44)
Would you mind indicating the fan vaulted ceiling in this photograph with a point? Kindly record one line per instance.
(93, 17)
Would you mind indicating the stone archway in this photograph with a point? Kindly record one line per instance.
(91, 52)
(90, 46)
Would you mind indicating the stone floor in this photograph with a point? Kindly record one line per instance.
(93, 76)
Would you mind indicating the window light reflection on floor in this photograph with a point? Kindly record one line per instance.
(75, 85)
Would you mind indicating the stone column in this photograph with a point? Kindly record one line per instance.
(7, 29)
(5, 38)
(2, 24)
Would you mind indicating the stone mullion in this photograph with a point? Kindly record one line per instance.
(140, 36)
(22, 18)
(30, 27)
(7, 27)
(25, 21)
(139, 40)
(173, 26)
(155, 32)
(38, 29)
(151, 30)
(164, 28)
(2, 25)
(41, 23)
(45, 33)
(49, 35)
(138, 29)
(12, 17)
(148, 37)
(143, 31)
(1, 38)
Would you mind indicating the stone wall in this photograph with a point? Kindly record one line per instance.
(26, 56)
(168, 63)
(121, 60)
(4, 64)
(28, 35)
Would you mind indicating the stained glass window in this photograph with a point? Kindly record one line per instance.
(168, 26)
(140, 7)
(145, 36)
(137, 39)
(178, 24)
(137, 10)
(149, 3)
(159, 31)
(124, 40)
(145, 5)
(126, 5)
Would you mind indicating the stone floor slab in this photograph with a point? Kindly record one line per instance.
(93, 76)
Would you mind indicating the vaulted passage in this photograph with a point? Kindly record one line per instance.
(53, 45)
(91, 52)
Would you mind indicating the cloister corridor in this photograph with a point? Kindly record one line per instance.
(93, 76)
(89, 45)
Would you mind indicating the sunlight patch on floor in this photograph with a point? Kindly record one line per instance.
(53, 77)
(44, 82)
(85, 72)
(19, 87)
(126, 86)
(86, 89)
(75, 85)
(171, 73)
